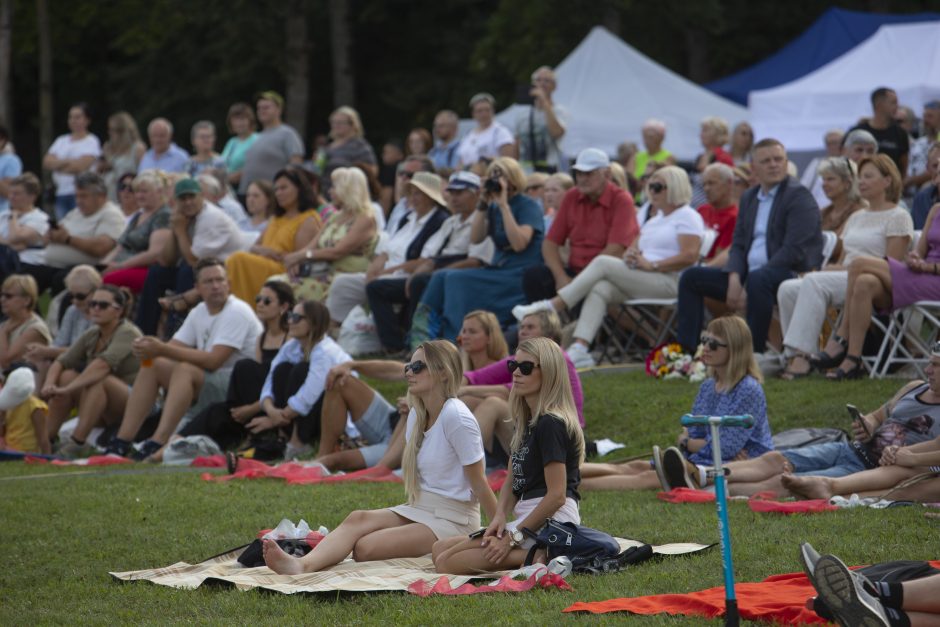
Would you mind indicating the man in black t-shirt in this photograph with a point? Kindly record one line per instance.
(892, 139)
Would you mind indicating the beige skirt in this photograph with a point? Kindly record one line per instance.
(444, 516)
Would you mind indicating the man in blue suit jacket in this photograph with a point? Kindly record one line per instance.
(777, 235)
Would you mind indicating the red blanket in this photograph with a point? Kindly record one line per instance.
(506, 584)
(760, 502)
(779, 598)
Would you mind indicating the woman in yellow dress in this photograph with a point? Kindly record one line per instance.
(345, 244)
(295, 224)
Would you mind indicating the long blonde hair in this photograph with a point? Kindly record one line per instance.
(352, 190)
(555, 396)
(496, 347)
(733, 331)
(443, 361)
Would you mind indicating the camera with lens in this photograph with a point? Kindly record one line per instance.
(492, 184)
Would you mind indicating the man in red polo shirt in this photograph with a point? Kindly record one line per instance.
(596, 218)
(720, 213)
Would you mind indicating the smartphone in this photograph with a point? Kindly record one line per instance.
(523, 95)
(478, 533)
(857, 416)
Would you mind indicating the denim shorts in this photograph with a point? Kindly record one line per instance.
(832, 459)
(375, 427)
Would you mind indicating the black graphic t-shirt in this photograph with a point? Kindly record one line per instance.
(548, 441)
(892, 141)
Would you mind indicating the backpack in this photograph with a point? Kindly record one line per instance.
(590, 550)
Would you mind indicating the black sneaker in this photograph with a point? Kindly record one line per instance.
(145, 449)
(118, 447)
(679, 471)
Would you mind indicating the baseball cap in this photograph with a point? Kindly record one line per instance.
(464, 180)
(591, 159)
(186, 186)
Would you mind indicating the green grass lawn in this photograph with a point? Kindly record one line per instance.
(63, 529)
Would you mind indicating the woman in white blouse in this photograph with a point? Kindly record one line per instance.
(882, 229)
(23, 224)
(443, 474)
(489, 139)
(668, 243)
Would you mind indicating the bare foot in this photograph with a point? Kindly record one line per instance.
(279, 561)
(808, 487)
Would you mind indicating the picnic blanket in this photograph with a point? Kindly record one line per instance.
(762, 502)
(777, 599)
(348, 576)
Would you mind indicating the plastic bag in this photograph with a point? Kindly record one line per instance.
(357, 335)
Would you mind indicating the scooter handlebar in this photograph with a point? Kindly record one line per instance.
(722, 421)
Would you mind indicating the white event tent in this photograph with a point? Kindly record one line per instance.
(610, 89)
(904, 57)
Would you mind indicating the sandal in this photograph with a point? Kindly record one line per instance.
(852, 373)
(823, 360)
(789, 375)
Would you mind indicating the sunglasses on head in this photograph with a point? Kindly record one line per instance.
(267, 300)
(656, 187)
(100, 304)
(415, 367)
(712, 343)
(294, 318)
(525, 367)
(79, 297)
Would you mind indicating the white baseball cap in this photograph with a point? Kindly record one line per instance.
(591, 159)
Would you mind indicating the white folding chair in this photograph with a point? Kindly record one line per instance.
(647, 315)
(830, 240)
(909, 337)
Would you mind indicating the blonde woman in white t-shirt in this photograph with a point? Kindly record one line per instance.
(668, 243)
(71, 154)
(488, 139)
(443, 471)
(882, 229)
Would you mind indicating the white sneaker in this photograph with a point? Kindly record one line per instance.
(580, 356)
(521, 311)
(292, 452)
(770, 363)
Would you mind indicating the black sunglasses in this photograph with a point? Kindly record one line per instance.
(712, 343)
(294, 317)
(267, 300)
(415, 367)
(100, 304)
(525, 367)
(125, 188)
(656, 187)
(406, 174)
(76, 296)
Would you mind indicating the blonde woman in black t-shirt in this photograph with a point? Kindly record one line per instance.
(547, 451)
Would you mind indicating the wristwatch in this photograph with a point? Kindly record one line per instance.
(516, 538)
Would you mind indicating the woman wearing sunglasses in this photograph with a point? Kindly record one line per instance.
(23, 326)
(547, 450)
(96, 372)
(443, 473)
(668, 243)
(732, 388)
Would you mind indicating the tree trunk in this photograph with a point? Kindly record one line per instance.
(344, 79)
(696, 47)
(6, 35)
(45, 78)
(297, 78)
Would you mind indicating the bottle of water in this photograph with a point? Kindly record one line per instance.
(561, 566)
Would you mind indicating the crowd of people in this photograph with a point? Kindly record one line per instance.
(471, 253)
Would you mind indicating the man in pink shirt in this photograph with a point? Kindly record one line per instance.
(595, 217)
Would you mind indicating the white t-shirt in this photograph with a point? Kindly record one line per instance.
(396, 246)
(215, 234)
(487, 143)
(326, 354)
(109, 220)
(235, 326)
(35, 219)
(659, 236)
(455, 233)
(865, 233)
(64, 147)
(452, 442)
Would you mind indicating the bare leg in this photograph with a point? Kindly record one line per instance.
(343, 460)
(410, 540)
(757, 470)
(472, 402)
(354, 397)
(466, 558)
(443, 545)
(143, 395)
(183, 388)
(878, 479)
(493, 416)
(589, 470)
(772, 485)
(646, 480)
(61, 405)
(335, 546)
(923, 595)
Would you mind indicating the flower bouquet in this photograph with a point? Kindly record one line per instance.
(668, 361)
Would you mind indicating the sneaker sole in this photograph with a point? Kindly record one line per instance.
(674, 469)
(658, 467)
(837, 588)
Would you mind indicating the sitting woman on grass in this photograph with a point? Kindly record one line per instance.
(443, 473)
(547, 450)
(481, 340)
(732, 388)
(23, 326)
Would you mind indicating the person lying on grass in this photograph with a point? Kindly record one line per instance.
(897, 464)
(912, 416)
(547, 449)
(732, 389)
(443, 473)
